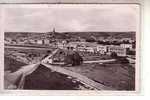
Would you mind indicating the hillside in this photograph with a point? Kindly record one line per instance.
(12, 64)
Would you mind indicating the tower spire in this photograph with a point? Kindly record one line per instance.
(53, 30)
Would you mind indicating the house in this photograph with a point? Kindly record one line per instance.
(7, 40)
(32, 41)
(46, 41)
(76, 46)
(39, 41)
(120, 51)
(60, 45)
(126, 39)
(90, 49)
(72, 45)
(80, 46)
(14, 41)
(101, 49)
(127, 46)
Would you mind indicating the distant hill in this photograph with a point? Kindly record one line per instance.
(15, 35)
(68, 35)
(104, 34)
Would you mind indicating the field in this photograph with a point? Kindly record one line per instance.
(115, 75)
(16, 58)
(12, 65)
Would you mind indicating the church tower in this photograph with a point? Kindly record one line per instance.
(53, 30)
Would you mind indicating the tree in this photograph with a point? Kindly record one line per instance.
(114, 55)
(73, 58)
(90, 40)
(77, 59)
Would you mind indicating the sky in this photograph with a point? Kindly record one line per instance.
(74, 18)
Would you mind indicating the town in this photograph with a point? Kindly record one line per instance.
(111, 51)
(96, 45)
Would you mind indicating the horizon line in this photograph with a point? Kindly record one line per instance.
(63, 31)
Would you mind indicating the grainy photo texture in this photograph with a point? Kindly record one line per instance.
(71, 47)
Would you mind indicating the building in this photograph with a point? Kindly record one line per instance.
(72, 45)
(129, 46)
(126, 39)
(46, 41)
(101, 49)
(60, 45)
(39, 41)
(81, 48)
(90, 49)
(14, 41)
(120, 51)
(76, 46)
(7, 40)
(32, 41)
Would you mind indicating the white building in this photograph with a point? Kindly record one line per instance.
(39, 41)
(90, 49)
(32, 41)
(120, 51)
(126, 39)
(101, 49)
(7, 40)
(73, 45)
(126, 46)
(60, 45)
(81, 48)
(46, 41)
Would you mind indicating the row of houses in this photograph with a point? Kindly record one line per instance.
(80, 46)
(96, 48)
(27, 41)
(111, 39)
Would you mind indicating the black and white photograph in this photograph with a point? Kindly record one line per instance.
(71, 47)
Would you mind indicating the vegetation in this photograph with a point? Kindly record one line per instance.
(73, 58)
(12, 64)
(129, 52)
(114, 55)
